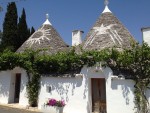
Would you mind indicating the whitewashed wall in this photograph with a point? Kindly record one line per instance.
(23, 100)
(7, 86)
(146, 35)
(76, 37)
(119, 93)
(5, 78)
(120, 96)
(12, 88)
(77, 92)
(72, 90)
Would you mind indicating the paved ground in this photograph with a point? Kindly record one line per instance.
(4, 109)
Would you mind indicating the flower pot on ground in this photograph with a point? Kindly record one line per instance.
(59, 109)
(53, 106)
(48, 109)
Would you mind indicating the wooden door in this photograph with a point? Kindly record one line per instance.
(17, 87)
(98, 95)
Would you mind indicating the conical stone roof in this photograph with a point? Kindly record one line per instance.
(107, 32)
(47, 38)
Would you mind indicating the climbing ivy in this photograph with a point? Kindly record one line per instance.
(133, 63)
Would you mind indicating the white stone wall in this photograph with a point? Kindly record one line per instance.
(5, 78)
(7, 86)
(23, 100)
(12, 88)
(146, 35)
(72, 90)
(77, 92)
(76, 37)
(119, 93)
(120, 96)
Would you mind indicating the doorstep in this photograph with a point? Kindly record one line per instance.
(16, 105)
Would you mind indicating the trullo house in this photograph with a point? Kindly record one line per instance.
(88, 91)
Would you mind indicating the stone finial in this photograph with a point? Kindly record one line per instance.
(106, 7)
(106, 2)
(47, 22)
(47, 16)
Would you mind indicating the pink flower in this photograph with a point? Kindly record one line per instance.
(63, 103)
(52, 102)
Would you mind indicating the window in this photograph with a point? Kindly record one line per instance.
(48, 89)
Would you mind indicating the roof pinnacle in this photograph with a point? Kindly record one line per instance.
(47, 16)
(106, 2)
(47, 22)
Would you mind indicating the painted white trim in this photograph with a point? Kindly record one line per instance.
(47, 22)
(106, 10)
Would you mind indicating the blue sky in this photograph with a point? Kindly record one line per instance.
(68, 15)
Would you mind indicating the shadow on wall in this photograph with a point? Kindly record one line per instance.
(4, 87)
(24, 82)
(86, 84)
(126, 87)
(63, 85)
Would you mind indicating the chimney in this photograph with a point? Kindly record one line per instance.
(146, 35)
(76, 37)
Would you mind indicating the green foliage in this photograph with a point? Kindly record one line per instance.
(23, 33)
(1, 9)
(32, 30)
(14, 33)
(10, 27)
(33, 87)
(134, 63)
(141, 102)
(1, 35)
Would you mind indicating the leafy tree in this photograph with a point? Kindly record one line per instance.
(32, 30)
(1, 36)
(1, 9)
(23, 32)
(29, 32)
(9, 39)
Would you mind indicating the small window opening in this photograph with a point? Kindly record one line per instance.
(48, 89)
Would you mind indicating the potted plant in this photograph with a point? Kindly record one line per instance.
(60, 106)
(53, 106)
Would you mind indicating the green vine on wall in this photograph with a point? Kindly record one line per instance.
(33, 87)
(141, 101)
(134, 63)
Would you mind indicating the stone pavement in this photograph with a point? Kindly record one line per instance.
(15, 108)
